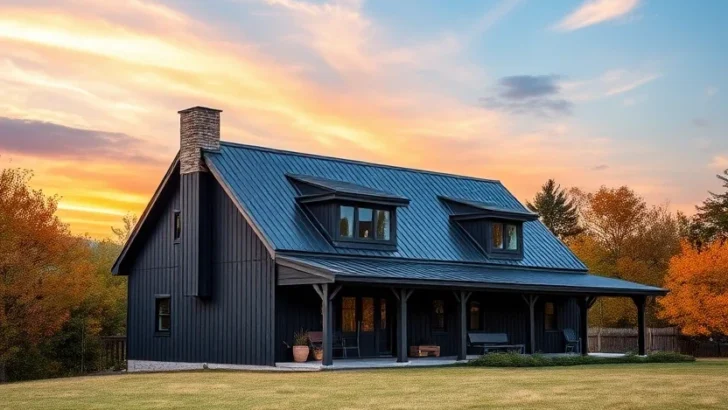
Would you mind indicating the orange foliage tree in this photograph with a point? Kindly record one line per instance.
(627, 239)
(43, 268)
(698, 283)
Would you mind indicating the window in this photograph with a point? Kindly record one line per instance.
(163, 314)
(177, 226)
(511, 237)
(497, 236)
(474, 316)
(438, 315)
(365, 224)
(549, 316)
(382, 220)
(367, 314)
(382, 313)
(346, 222)
(348, 314)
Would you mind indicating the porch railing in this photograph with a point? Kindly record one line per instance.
(114, 351)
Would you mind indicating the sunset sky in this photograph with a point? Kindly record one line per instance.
(603, 92)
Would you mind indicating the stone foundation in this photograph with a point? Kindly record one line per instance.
(134, 366)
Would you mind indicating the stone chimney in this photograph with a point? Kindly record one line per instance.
(199, 128)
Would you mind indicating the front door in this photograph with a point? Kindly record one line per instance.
(372, 317)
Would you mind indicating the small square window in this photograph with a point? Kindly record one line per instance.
(549, 316)
(497, 236)
(346, 221)
(365, 223)
(163, 311)
(438, 315)
(511, 237)
(177, 225)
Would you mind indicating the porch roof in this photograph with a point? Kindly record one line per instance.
(426, 273)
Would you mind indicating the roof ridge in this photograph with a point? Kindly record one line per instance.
(359, 162)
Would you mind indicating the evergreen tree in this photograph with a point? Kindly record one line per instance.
(557, 210)
(711, 219)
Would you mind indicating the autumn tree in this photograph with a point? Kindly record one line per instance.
(556, 210)
(122, 234)
(698, 284)
(43, 269)
(627, 239)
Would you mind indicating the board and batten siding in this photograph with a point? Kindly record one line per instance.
(234, 325)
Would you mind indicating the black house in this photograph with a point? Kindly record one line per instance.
(241, 246)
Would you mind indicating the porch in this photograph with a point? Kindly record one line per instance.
(377, 311)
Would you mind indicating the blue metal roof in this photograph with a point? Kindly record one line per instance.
(256, 178)
(402, 271)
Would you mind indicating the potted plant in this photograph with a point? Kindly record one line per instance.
(318, 353)
(300, 346)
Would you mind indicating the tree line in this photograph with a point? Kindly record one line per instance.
(58, 298)
(617, 234)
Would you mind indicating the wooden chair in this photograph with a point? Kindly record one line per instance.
(573, 343)
(345, 343)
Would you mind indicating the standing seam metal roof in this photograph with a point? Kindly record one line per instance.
(257, 179)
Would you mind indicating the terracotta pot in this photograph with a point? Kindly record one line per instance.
(318, 354)
(300, 354)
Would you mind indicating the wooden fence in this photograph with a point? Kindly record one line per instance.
(667, 339)
(615, 340)
(114, 351)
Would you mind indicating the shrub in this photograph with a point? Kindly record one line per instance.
(539, 360)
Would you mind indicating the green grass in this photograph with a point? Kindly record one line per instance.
(700, 384)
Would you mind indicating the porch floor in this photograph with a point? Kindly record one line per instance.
(391, 362)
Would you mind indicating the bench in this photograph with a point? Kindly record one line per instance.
(488, 342)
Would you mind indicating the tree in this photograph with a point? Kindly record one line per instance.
(710, 223)
(43, 269)
(122, 234)
(698, 298)
(626, 239)
(556, 209)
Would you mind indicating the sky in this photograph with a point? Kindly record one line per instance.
(591, 93)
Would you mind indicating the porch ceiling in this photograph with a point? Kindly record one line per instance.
(458, 275)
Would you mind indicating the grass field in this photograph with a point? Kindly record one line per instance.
(701, 384)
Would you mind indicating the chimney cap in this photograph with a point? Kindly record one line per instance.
(198, 108)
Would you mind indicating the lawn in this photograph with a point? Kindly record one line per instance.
(701, 384)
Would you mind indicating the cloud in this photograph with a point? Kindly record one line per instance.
(609, 84)
(45, 139)
(720, 162)
(595, 12)
(601, 167)
(701, 122)
(529, 94)
(711, 91)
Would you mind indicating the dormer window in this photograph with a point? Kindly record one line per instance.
(497, 231)
(369, 224)
(350, 215)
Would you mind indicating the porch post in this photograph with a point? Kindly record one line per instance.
(462, 297)
(640, 302)
(531, 302)
(328, 326)
(584, 304)
(402, 295)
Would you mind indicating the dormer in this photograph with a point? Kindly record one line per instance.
(498, 232)
(350, 215)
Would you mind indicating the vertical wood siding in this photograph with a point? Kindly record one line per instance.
(235, 324)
